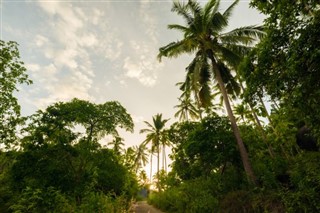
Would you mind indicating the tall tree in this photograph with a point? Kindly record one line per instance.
(155, 135)
(141, 156)
(12, 72)
(186, 109)
(285, 64)
(117, 145)
(217, 53)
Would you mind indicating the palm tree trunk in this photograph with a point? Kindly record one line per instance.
(158, 163)
(243, 151)
(158, 167)
(165, 159)
(163, 156)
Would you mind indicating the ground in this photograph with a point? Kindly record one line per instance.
(143, 207)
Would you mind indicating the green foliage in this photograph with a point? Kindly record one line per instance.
(61, 170)
(305, 181)
(203, 147)
(190, 197)
(41, 200)
(248, 201)
(101, 203)
(12, 72)
(285, 64)
(55, 124)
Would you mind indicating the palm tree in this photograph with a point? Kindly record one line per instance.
(141, 156)
(217, 53)
(155, 135)
(117, 144)
(164, 142)
(242, 112)
(128, 158)
(187, 110)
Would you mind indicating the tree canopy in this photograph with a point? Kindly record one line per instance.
(12, 73)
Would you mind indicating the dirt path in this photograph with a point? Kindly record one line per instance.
(143, 207)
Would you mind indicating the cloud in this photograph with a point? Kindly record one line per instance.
(139, 70)
(66, 43)
(41, 40)
(148, 20)
(143, 65)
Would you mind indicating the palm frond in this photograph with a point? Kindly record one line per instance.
(228, 56)
(178, 27)
(205, 96)
(240, 50)
(217, 23)
(254, 32)
(228, 12)
(182, 9)
(232, 86)
(175, 49)
(236, 40)
(211, 7)
(205, 74)
(194, 7)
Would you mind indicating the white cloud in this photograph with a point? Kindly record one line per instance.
(66, 57)
(41, 40)
(139, 71)
(148, 20)
(143, 65)
(70, 73)
(88, 40)
(97, 14)
(113, 48)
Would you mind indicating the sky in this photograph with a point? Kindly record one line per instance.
(102, 51)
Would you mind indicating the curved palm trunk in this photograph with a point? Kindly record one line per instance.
(243, 151)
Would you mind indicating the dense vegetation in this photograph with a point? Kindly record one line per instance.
(262, 157)
(210, 172)
(52, 161)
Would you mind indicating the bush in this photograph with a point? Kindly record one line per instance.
(100, 203)
(190, 197)
(42, 200)
(251, 201)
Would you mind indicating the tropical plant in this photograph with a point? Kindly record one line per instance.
(141, 156)
(155, 135)
(187, 110)
(204, 36)
(117, 144)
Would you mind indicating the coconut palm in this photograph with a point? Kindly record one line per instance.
(217, 53)
(155, 135)
(164, 143)
(242, 112)
(117, 145)
(141, 156)
(186, 109)
(128, 158)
